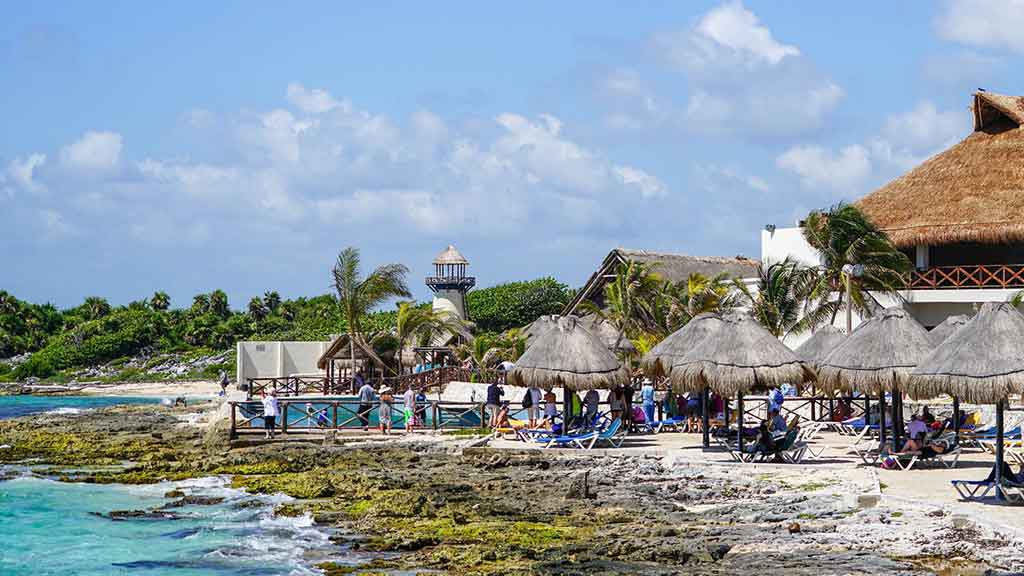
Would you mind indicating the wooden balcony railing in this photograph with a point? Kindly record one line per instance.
(312, 385)
(976, 276)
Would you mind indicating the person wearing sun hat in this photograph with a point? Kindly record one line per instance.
(384, 411)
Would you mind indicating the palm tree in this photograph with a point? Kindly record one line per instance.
(96, 307)
(412, 321)
(782, 292)
(200, 304)
(272, 300)
(357, 296)
(843, 237)
(257, 311)
(699, 294)
(219, 304)
(160, 301)
(628, 299)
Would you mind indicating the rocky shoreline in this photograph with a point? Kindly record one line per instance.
(435, 503)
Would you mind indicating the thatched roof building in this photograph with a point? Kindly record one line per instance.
(736, 357)
(981, 362)
(672, 267)
(568, 355)
(611, 336)
(971, 192)
(877, 357)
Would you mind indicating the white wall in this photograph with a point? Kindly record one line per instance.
(783, 242)
(278, 359)
(451, 301)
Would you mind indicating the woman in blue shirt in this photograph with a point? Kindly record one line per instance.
(647, 396)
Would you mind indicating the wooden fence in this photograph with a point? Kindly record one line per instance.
(977, 276)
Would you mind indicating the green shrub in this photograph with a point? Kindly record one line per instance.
(516, 304)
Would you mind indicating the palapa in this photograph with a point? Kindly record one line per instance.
(982, 362)
(820, 344)
(736, 357)
(674, 348)
(939, 334)
(877, 357)
(605, 331)
(570, 356)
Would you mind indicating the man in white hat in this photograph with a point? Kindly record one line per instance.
(384, 411)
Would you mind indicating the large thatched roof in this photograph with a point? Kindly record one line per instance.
(820, 344)
(737, 356)
(878, 355)
(971, 192)
(674, 348)
(982, 362)
(673, 267)
(568, 355)
(939, 334)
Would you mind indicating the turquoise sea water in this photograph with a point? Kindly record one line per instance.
(52, 528)
(15, 406)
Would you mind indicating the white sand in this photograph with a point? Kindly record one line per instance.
(162, 389)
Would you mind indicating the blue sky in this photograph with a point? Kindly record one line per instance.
(241, 145)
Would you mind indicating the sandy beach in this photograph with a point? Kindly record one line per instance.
(161, 389)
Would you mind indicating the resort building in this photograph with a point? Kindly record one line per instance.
(672, 267)
(959, 217)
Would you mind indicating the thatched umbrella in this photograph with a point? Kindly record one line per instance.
(982, 362)
(877, 358)
(605, 331)
(674, 348)
(816, 348)
(820, 344)
(736, 357)
(939, 334)
(568, 355)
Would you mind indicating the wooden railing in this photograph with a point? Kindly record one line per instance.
(315, 386)
(977, 276)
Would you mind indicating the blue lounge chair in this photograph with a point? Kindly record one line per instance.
(656, 426)
(612, 434)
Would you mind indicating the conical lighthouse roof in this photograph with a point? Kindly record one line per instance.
(451, 256)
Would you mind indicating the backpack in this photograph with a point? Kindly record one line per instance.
(528, 400)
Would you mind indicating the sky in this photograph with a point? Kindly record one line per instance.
(193, 146)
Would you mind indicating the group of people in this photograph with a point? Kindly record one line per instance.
(414, 407)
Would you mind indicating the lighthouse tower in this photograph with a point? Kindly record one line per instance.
(450, 283)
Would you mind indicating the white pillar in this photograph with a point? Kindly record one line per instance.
(280, 360)
(921, 260)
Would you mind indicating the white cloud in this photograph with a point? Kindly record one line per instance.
(53, 225)
(985, 23)
(819, 168)
(22, 173)
(314, 101)
(93, 152)
(741, 81)
(925, 127)
(649, 186)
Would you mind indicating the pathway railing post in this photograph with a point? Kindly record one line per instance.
(234, 432)
(284, 419)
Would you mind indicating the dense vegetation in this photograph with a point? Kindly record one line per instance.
(96, 332)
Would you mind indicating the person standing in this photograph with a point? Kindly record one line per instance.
(366, 397)
(409, 409)
(494, 394)
(421, 408)
(270, 412)
(384, 411)
(590, 402)
(615, 402)
(647, 397)
(224, 383)
(533, 410)
(627, 401)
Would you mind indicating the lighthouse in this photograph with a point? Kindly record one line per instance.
(450, 282)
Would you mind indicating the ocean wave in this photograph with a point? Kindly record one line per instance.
(65, 411)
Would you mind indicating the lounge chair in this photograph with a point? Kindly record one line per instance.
(907, 460)
(656, 426)
(976, 490)
(613, 435)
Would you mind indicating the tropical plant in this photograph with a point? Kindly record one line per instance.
(630, 299)
(516, 304)
(160, 301)
(782, 292)
(95, 307)
(272, 300)
(420, 323)
(357, 296)
(219, 304)
(699, 294)
(846, 240)
(257, 311)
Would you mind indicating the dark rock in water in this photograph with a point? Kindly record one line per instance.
(193, 501)
(174, 494)
(119, 515)
(181, 534)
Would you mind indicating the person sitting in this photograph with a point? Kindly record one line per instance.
(765, 441)
(502, 417)
(916, 427)
(926, 416)
(843, 410)
(921, 444)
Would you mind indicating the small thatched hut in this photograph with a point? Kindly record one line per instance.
(674, 348)
(737, 356)
(950, 325)
(568, 355)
